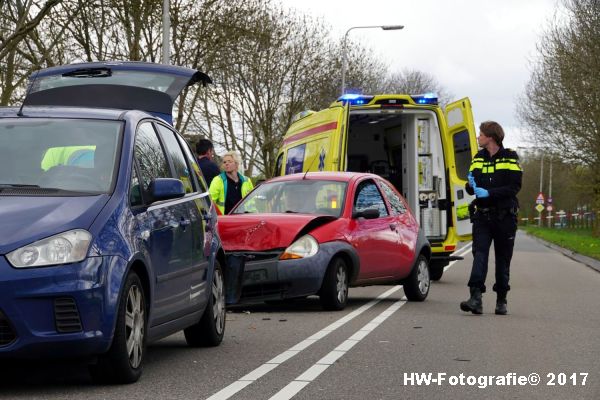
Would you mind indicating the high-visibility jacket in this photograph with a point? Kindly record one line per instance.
(500, 174)
(218, 189)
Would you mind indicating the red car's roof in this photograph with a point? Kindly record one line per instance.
(325, 175)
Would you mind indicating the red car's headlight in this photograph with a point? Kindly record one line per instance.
(304, 247)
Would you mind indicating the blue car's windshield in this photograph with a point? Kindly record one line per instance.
(74, 155)
(323, 197)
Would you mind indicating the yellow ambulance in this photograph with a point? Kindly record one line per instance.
(410, 140)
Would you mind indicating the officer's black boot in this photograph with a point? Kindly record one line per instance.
(501, 304)
(474, 304)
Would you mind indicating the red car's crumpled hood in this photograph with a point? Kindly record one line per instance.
(260, 232)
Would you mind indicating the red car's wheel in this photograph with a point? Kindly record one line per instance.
(416, 286)
(334, 291)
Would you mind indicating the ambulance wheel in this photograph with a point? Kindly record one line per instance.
(436, 270)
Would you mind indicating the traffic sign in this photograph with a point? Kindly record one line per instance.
(549, 207)
(540, 198)
(539, 208)
(549, 200)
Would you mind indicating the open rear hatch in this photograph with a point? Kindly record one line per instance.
(123, 85)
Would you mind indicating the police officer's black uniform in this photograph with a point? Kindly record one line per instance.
(494, 217)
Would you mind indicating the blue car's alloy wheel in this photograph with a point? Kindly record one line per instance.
(124, 360)
(134, 326)
(209, 331)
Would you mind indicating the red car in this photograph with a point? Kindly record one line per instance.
(322, 232)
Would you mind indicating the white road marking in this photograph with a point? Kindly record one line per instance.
(298, 384)
(320, 366)
(270, 365)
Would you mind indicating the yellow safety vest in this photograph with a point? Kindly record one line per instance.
(218, 189)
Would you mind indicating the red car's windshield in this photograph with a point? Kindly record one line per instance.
(297, 196)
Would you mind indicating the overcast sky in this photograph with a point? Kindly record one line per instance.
(481, 49)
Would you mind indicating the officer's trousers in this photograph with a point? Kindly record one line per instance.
(501, 229)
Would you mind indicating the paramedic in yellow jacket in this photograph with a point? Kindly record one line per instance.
(229, 187)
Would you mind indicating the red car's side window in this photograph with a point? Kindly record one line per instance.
(368, 196)
(395, 201)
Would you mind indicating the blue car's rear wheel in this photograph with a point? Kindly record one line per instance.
(211, 328)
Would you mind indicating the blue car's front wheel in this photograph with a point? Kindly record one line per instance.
(124, 360)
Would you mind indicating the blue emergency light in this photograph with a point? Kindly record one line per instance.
(355, 99)
(427, 98)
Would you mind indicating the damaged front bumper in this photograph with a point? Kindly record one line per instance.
(266, 277)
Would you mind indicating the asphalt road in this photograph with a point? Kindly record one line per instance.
(376, 347)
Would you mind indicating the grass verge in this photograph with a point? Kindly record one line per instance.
(578, 240)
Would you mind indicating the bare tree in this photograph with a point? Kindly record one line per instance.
(278, 61)
(410, 81)
(116, 30)
(28, 41)
(20, 18)
(561, 104)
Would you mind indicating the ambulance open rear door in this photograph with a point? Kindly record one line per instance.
(462, 145)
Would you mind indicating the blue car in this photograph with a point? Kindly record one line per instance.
(108, 237)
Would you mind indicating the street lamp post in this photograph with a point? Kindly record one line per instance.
(344, 57)
(541, 186)
(166, 25)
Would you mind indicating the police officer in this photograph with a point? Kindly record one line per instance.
(495, 179)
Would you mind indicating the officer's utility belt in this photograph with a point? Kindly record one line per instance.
(486, 210)
(491, 211)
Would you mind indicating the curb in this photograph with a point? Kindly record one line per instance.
(589, 261)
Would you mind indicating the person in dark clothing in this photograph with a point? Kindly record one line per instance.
(206, 151)
(495, 178)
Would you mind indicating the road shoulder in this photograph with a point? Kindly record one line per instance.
(590, 262)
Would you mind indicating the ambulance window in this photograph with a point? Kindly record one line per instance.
(295, 159)
(462, 153)
(278, 165)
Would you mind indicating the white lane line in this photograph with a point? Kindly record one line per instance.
(320, 366)
(270, 365)
(460, 252)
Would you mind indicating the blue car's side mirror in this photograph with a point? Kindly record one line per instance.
(166, 189)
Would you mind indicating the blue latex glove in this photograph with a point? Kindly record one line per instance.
(471, 180)
(481, 193)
